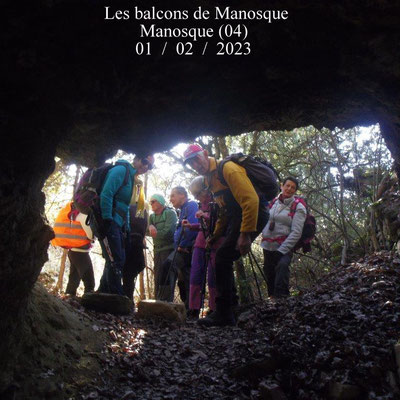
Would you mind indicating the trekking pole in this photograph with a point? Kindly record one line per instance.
(207, 257)
(255, 277)
(211, 226)
(107, 247)
(172, 262)
(258, 266)
(96, 225)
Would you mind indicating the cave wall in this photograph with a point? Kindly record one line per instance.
(25, 239)
(74, 87)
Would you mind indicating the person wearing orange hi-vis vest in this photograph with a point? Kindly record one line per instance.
(72, 233)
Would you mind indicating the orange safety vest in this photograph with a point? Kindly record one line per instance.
(69, 233)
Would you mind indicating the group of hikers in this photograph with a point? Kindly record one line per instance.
(192, 240)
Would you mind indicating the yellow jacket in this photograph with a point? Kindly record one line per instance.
(240, 186)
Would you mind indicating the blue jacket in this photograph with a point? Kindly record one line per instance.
(116, 205)
(188, 211)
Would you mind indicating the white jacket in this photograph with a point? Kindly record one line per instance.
(88, 230)
(287, 230)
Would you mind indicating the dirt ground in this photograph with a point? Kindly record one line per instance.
(334, 341)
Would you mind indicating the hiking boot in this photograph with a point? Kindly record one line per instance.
(193, 315)
(223, 316)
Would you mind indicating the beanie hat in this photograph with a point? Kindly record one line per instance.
(192, 151)
(159, 198)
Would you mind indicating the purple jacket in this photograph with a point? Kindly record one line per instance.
(200, 239)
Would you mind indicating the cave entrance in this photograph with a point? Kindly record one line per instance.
(341, 173)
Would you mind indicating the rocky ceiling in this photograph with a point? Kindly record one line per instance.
(74, 76)
(73, 85)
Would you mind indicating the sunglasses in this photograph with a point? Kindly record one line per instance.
(153, 201)
(145, 161)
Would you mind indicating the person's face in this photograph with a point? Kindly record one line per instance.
(200, 163)
(177, 199)
(288, 188)
(202, 196)
(155, 205)
(142, 165)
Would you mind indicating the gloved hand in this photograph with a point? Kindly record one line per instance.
(105, 228)
(244, 243)
(210, 241)
(277, 255)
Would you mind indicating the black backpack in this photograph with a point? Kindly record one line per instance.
(138, 226)
(90, 185)
(261, 173)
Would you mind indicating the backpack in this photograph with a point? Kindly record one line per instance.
(138, 224)
(261, 173)
(90, 185)
(309, 227)
(68, 232)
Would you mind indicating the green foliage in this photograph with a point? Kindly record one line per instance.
(339, 173)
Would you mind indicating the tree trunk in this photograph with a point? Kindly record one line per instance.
(59, 284)
(141, 286)
(341, 208)
(372, 227)
(76, 180)
(253, 149)
(217, 154)
(245, 293)
(222, 146)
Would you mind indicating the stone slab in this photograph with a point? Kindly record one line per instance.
(107, 303)
(162, 309)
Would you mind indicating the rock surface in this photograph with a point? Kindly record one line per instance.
(271, 392)
(107, 303)
(340, 391)
(162, 309)
(61, 350)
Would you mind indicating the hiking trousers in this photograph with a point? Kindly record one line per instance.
(159, 259)
(81, 268)
(197, 276)
(111, 279)
(134, 265)
(227, 254)
(277, 273)
(176, 267)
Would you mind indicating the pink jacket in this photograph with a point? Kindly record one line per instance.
(200, 241)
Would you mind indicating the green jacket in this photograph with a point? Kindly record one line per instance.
(166, 225)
